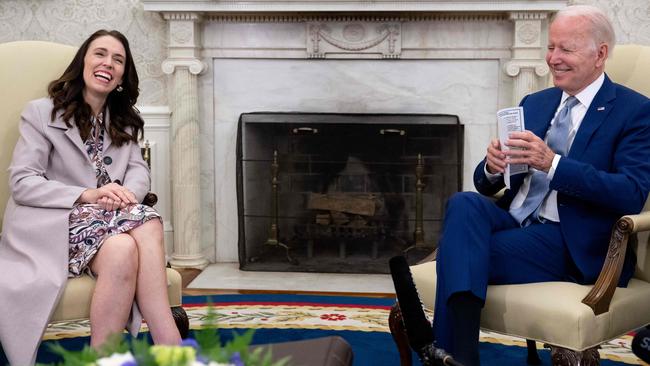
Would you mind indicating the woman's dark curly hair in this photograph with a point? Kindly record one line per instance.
(67, 95)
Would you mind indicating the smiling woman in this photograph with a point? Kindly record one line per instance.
(77, 171)
(103, 74)
(103, 70)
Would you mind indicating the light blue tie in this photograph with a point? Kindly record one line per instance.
(558, 141)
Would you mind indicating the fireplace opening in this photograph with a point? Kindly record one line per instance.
(321, 192)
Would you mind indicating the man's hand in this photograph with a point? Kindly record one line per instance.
(110, 197)
(495, 159)
(527, 148)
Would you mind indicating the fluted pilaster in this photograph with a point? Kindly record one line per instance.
(527, 66)
(185, 158)
(528, 75)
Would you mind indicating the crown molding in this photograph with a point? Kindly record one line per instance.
(376, 17)
(270, 6)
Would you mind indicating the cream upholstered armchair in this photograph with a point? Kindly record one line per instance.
(571, 319)
(26, 68)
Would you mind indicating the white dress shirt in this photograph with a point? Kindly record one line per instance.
(548, 209)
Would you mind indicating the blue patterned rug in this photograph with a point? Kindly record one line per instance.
(362, 321)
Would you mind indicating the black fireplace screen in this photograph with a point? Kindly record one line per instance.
(343, 192)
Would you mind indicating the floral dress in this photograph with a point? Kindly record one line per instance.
(90, 225)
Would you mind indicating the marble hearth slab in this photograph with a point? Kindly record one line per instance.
(227, 276)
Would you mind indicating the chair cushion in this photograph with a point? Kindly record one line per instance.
(551, 312)
(78, 292)
(641, 245)
(75, 301)
(628, 65)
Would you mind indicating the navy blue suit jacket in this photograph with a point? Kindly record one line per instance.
(605, 175)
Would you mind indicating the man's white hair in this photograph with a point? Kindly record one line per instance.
(601, 31)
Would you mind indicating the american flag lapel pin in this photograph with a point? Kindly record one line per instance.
(600, 109)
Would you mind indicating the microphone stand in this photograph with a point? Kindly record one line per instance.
(417, 327)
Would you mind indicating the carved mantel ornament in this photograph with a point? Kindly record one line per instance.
(381, 39)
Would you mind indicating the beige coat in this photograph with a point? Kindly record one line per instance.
(49, 171)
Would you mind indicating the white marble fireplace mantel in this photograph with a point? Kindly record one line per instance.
(261, 6)
(467, 58)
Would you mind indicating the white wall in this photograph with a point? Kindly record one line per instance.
(72, 21)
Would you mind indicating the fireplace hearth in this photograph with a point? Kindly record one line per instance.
(343, 192)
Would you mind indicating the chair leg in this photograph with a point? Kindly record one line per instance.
(182, 322)
(397, 330)
(566, 357)
(533, 356)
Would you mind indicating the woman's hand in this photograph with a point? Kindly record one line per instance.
(110, 197)
(109, 204)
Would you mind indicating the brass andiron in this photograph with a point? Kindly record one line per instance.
(418, 234)
(274, 239)
(146, 153)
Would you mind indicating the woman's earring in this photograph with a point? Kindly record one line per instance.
(119, 88)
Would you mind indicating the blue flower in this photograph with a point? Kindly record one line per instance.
(202, 359)
(236, 360)
(189, 342)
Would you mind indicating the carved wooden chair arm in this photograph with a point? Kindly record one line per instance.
(600, 296)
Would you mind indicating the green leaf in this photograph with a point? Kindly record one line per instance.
(74, 358)
(115, 343)
(141, 353)
(207, 337)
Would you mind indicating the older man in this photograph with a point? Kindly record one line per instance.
(588, 147)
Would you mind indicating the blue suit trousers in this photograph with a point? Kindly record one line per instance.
(481, 244)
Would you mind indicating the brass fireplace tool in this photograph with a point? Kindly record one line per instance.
(274, 239)
(418, 234)
(146, 153)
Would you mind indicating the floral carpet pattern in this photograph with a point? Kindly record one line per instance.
(311, 312)
(368, 318)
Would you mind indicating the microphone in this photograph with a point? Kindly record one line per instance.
(418, 328)
(641, 345)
